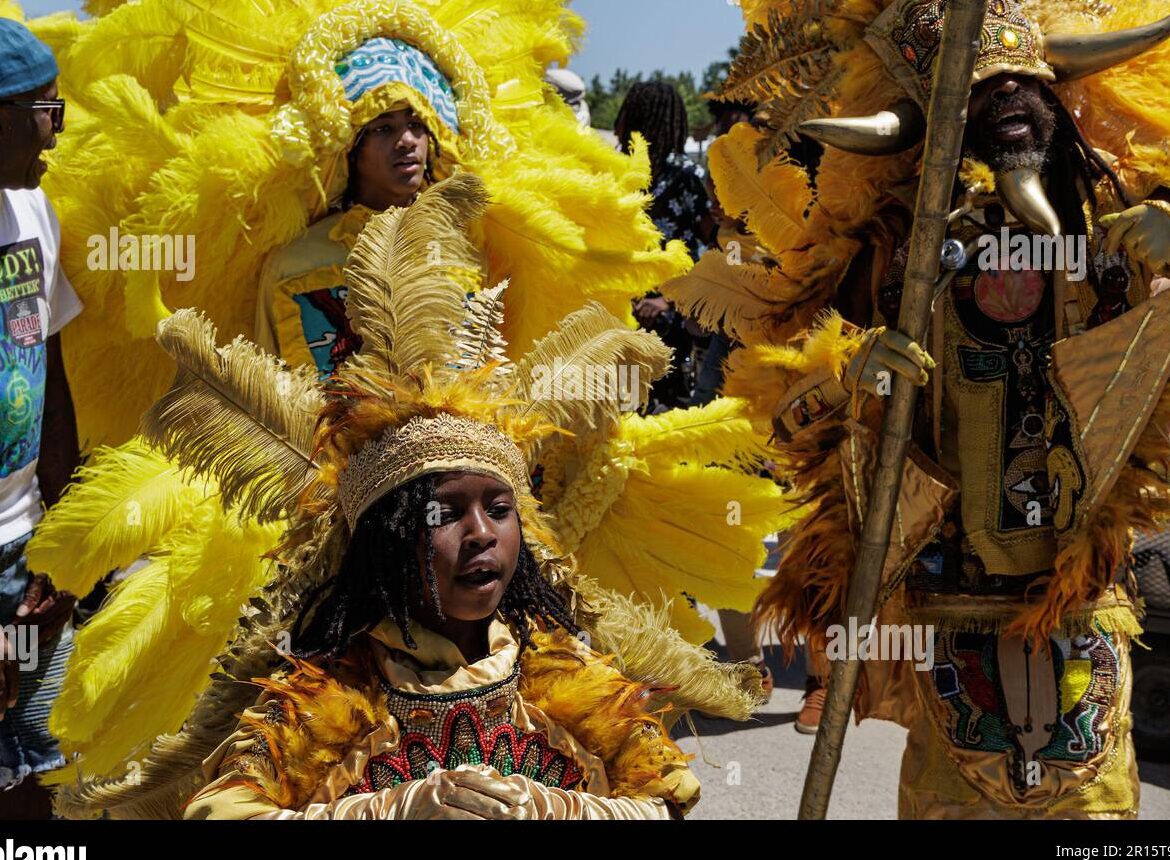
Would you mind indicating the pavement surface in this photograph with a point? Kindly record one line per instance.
(756, 770)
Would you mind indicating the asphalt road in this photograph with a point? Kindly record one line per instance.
(756, 770)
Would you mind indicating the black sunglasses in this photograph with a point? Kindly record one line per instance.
(55, 107)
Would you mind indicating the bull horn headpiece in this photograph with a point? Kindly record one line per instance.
(1078, 55)
(884, 133)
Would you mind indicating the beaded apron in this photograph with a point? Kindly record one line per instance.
(445, 730)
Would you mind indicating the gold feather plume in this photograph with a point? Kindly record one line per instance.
(737, 298)
(238, 414)
(478, 341)
(787, 67)
(427, 247)
(650, 650)
(586, 342)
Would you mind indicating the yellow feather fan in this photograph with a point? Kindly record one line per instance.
(668, 507)
(125, 501)
(139, 664)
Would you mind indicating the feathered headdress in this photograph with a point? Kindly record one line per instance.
(431, 390)
(229, 122)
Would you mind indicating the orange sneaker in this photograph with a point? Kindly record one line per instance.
(809, 718)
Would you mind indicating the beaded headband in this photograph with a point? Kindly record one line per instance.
(907, 36)
(423, 446)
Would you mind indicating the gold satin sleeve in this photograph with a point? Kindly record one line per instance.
(237, 761)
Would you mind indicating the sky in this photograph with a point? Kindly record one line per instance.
(637, 35)
(644, 35)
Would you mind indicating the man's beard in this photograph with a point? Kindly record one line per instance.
(1004, 155)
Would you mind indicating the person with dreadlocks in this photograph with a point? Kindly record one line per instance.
(1039, 443)
(436, 598)
(680, 209)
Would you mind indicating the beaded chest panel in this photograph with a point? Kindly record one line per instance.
(443, 731)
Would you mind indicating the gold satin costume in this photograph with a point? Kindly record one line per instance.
(1038, 445)
(525, 742)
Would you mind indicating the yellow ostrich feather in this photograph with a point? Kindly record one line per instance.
(772, 200)
(1125, 106)
(974, 173)
(685, 519)
(184, 128)
(139, 664)
(563, 233)
(120, 505)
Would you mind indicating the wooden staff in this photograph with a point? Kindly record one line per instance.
(946, 120)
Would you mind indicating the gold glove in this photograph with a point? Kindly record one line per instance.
(1144, 230)
(447, 795)
(883, 353)
(475, 793)
(557, 804)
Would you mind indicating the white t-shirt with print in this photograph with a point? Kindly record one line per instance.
(36, 302)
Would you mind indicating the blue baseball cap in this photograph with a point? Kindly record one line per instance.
(26, 62)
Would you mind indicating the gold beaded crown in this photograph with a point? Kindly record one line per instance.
(425, 446)
(907, 35)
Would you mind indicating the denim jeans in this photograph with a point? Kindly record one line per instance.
(25, 743)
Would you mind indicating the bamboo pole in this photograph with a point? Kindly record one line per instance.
(946, 120)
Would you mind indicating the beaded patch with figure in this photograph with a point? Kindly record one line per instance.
(972, 705)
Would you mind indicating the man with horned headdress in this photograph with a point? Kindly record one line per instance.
(1038, 444)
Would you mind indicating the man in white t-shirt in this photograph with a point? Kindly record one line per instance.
(38, 433)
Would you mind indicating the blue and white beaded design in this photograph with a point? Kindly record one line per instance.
(380, 61)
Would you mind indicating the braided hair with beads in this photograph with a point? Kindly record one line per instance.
(379, 578)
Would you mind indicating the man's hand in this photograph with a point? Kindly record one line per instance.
(648, 310)
(45, 607)
(1144, 231)
(9, 676)
(883, 353)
